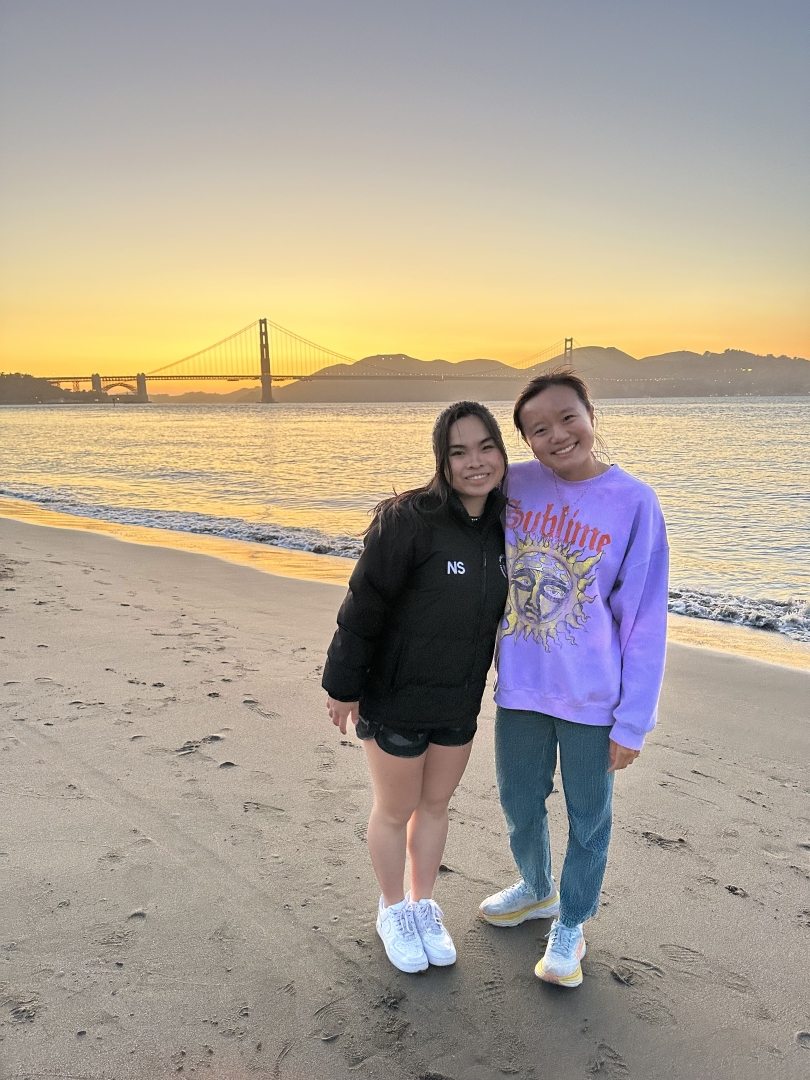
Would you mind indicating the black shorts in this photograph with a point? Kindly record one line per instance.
(414, 743)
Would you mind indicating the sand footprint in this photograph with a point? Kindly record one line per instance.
(654, 1012)
(113, 937)
(492, 992)
(607, 1062)
(326, 756)
(691, 962)
(23, 1008)
(257, 807)
(688, 960)
(255, 706)
(670, 844)
(645, 979)
(631, 971)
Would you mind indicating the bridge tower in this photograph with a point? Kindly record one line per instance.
(141, 395)
(264, 356)
(95, 381)
(569, 350)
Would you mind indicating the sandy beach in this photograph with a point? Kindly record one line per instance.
(184, 883)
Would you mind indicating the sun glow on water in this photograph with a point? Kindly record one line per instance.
(732, 475)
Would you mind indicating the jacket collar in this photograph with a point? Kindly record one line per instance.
(493, 508)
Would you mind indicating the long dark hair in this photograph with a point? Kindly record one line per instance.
(437, 491)
(560, 376)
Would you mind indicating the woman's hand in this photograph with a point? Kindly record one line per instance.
(620, 756)
(341, 711)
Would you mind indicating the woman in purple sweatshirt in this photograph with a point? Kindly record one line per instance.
(580, 658)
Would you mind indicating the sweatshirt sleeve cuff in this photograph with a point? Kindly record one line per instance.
(627, 736)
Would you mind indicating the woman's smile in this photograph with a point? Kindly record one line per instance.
(565, 449)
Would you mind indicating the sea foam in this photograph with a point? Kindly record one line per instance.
(788, 617)
(284, 536)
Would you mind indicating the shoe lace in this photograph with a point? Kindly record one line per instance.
(431, 915)
(403, 919)
(562, 939)
(516, 891)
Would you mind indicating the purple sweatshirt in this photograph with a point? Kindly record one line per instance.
(584, 633)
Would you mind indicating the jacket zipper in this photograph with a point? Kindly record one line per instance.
(481, 604)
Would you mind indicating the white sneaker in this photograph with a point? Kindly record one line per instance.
(518, 904)
(436, 942)
(403, 945)
(561, 962)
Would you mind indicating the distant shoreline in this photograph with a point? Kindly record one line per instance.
(202, 398)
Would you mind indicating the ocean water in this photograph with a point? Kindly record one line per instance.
(732, 474)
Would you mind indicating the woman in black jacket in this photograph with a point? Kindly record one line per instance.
(409, 661)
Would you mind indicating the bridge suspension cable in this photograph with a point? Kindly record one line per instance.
(562, 348)
(296, 356)
(234, 355)
(291, 356)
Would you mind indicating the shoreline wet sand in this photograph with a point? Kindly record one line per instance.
(185, 884)
(764, 645)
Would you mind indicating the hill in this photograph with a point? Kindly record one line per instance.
(374, 379)
(610, 373)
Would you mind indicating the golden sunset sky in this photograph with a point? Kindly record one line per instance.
(444, 178)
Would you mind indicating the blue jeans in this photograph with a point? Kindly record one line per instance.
(526, 759)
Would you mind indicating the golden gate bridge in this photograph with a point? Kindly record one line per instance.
(266, 352)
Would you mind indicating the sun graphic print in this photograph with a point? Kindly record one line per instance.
(547, 590)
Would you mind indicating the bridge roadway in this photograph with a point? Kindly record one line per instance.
(138, 393)
(276, 378)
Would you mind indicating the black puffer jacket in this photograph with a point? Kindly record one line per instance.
(417, 629)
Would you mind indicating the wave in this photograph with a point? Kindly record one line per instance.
(255, 532)
(788, 617)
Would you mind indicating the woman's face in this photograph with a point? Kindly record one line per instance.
(559, 429)
(476, 463)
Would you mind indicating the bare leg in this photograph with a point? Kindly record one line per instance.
(427, 828)
(397, 790)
